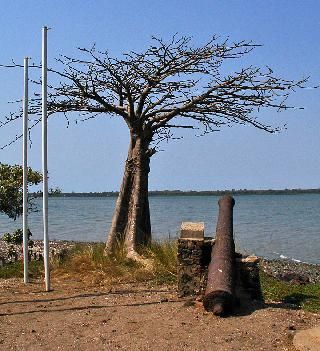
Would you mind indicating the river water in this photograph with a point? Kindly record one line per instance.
(273, 226)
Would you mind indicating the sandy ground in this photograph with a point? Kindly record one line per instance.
(135, 317)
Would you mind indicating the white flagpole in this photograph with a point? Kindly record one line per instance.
(45, 159)
(25, 173)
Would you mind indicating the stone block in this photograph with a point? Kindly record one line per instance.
(191, 230)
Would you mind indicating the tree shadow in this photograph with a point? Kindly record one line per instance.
(82, 308)
(86, 295)
(247, 307)
(292, 301)
(298, 298)
(55, 299)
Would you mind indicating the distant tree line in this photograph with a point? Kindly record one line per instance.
(189, 193)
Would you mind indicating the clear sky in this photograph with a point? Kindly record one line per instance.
(90, 156)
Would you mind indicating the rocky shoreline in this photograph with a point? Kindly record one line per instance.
(283, 269)
(11, 253)
(291, 271)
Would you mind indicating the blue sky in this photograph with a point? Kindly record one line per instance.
(90, 156)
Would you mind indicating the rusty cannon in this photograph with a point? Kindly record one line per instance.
(219, 293)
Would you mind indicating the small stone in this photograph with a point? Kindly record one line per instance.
(250, 259)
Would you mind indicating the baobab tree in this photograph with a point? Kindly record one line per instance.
(171, 85)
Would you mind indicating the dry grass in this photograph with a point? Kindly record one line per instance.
(88, 263)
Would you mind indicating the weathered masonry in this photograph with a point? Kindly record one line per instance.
(194, 256)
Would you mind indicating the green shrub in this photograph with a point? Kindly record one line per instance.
(7, 238)
(16, 237)
(15, 270)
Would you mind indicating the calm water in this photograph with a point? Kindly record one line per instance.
(268, 225)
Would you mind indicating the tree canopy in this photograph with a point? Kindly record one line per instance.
(172, 84)
(11, 195)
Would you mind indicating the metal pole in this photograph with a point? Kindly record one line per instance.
(25, 173)
(45, 159)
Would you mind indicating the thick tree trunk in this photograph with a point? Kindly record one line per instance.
(131, 219)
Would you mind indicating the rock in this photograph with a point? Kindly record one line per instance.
(307, 340)
(296, 272)
(11, 252)
(294, 278)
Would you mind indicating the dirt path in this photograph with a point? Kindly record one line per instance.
(135, 317)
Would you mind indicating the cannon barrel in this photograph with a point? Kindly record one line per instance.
(219, 292)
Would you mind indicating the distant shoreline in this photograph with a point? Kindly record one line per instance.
(190, 193)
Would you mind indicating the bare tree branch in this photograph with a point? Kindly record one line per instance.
(169, 81)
